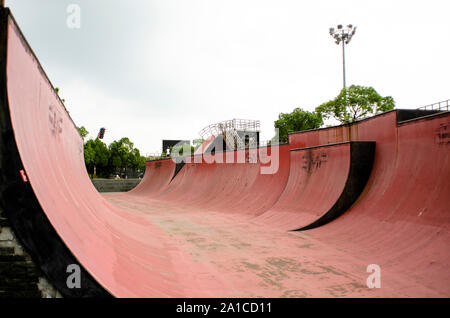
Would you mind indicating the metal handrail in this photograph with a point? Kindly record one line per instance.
(234, 124)
(439, 106)
(154, 155)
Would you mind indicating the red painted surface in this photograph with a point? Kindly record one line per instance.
(157, 177)
(380, 129)
(402, 220)
(194, 236)
(122, 249)
(316, 180)
(237, 187)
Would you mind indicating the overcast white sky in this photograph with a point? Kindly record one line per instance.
(164, 69)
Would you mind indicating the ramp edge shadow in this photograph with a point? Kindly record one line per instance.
(362, 155)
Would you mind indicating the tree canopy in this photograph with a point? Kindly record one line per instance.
(355, 103)
(123, 155)
(115, 158)
(197, 143)
(182, 150)
(96, 154)
(83, 131)
(298, 120)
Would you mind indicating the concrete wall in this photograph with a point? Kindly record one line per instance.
(112, 185)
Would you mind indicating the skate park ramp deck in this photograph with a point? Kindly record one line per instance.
(219, 229)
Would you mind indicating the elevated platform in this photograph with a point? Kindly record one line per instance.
(230, 135)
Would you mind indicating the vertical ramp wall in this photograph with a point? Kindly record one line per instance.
(401, 221)
(234, 185)
(157, 177)
(323, 183)
(57, 212)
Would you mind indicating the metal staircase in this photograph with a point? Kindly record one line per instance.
(236, 133)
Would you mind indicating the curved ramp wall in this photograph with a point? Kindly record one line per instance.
(17, 196)
(232, 185)
(401, 220)
(157, 177)
(121, 252)
(323, 183)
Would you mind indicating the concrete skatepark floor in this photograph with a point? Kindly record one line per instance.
(250, 259)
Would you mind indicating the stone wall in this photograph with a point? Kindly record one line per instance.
(112, 185)
(19, 276)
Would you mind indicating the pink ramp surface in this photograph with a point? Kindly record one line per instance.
(118, 247)
(233, 185)
(401, 221)
(197, 235)
(323, 183)
(157, 177)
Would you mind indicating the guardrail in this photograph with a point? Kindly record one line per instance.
(444, 105)
(234, 124)
(155, 156)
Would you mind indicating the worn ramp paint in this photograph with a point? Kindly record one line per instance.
(157, 177)
(196, 236)
(231, 182)
(401, 222)
(324, 182)
(116, 246)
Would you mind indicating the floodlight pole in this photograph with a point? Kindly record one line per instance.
(343, 62)
(343, 35)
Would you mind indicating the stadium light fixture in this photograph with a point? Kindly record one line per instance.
(343, 35)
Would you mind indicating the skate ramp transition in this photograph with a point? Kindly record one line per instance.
(324, 182)
(372, 192)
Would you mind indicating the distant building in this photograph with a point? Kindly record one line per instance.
(170, 143)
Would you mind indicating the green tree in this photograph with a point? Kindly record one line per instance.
(57, 93)
(83, 131)
(181, 150)
(105, 160)
(355, 103)
(89, 155)
(197, 143)
(101, 154)
(96, 154)
(123, 155)
(135, 160)
(298, 120)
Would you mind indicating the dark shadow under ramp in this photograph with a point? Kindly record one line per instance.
(324, 182)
